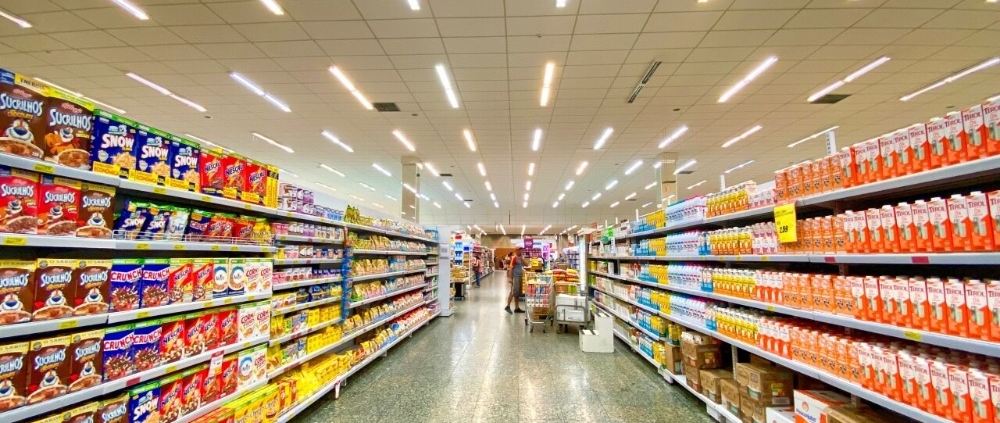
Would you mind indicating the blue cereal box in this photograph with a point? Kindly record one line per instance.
(152, 156)
(112, 150)
(146, 345)
(184, 165)
(155, 281)
(126, 278)
(117, 354)
(144, 403)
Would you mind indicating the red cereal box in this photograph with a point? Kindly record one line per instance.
(173, 339)
(234, 175)
(228, 374)
(180, 283)
(18, 201)
(171, 398)
(203, 276)
(255, 186)
(210, 330)
(192, 388)
(193, 333)
(210, 166)
(211, 387)
(58, 206)
(228, 330)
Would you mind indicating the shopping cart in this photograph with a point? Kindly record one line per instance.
(538, 298)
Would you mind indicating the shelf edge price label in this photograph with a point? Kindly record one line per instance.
(15, 241)
(44, 168)
(912, 335)
(159, 190)
(784, 223)
(69, 324)
(142, 246)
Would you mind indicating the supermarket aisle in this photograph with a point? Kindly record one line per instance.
(480, 365)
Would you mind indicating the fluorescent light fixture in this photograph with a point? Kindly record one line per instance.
(684, 166)
(697, 185)
(812, 136)
(569, 185)
(560, 3)
(381, 169)
(502, 229)
(647, 204)
(459, 197)
(148, 83)
(274, 143)
(531, 169)
(581, 168)
(489, 186)
(524, 205)
(335, 140)
(585, 204)
(547, 227)
(357, 198)
(79, 94)
(289, 173)
(561, 196)
(469, 140)
(326, 186)
(350, 87)
(742, 136)
(390, 197)
(402, 138)
(423, 197)
(370, 188)
(825, 91)
(378, 205)
(20, 22)
(610, 185)
(630, 196)
(749, 78)
(273, 6)
(651, 184)
(658, 164)
(260, 92)
(131, 8)
(604, 138)
(555, 204)
(633, 167)
(522, 230)
(410, 188)
(277, 103)
(323, 166)
(595, 197)
(414, 4)
(550, 69)
(537, 141)
(189, 103)
(432, 169)
(204, 141)
(446, 83)
(447, 185)
(437, 205)
(673, 137)
(527, 186)
(496, 205)
(850, 78)
(526, 196)
(493, 196)
(739, 166)
(482, 169)
(615, 204)
(989, 63)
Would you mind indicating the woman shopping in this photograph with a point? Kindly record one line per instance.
(515, 276)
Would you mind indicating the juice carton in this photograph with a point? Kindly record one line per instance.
(937, 138)
(941, 233)
(919, 147)
(893, 380)
(904, 150)
(956, 140)
(993, 221)
(904, 224)
(873, 304)
(938, 321)
(904, 308)
(961, 227)
(976, 134)
(873, 218)
(924, 386)
(958, 308)
(889, 157)
(993, 303)
(942, 389)
(958, 381)
(979, 397)
(979, 314)
(848, 166)
(887, 215)
(858, 295)
(991, 119)
(887, 290)
(922, 227)
(980, 222)
(919, 305)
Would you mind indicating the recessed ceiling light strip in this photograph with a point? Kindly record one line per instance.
(739, 166)
(166, 92)
(812, 136)
(582, 167)
(350, 87)
(402, 138)
(20, 22)
(79, 94)
(274, 143)
(685, 166)
(482, 168)
(273, 6)
(414, 4)
(673, 137)
(447, 185)
(469, 139)
(489, 186)
(260, 92)
(604, 138)
(611, 185)
(204, 141)
(615, 204)
(432, 169)
(390, 197)
(531, 169)
(742, 136)
(634, 167)
(748, 79)
(131, 8)
(550, 69)
(536, 143)
(651, 184)
(631, 196)
(569, 185)
(446, 83)
(381, 169)
(369, 187)
(697, 185)
(335, 140)
(341, 174)
(987, 64)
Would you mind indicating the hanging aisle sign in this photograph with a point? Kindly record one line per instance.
(784, 223)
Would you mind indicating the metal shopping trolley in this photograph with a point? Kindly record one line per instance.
(538, 298)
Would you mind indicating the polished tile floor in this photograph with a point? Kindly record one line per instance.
(481, 365)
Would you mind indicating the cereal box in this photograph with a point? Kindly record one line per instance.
(54, 289)
(255, 182)
(271, 199)
(228, 374)
(184, 165)
(86, 359)
(48, 376)
(18, 201)
(144, 402)
(234, 175)
(22, 115)
(228, 321)
(266, 274)
(146, 339)
(237, 277)
(246, 322)
(173, 339)
(193, 379)
(171, 398)
(14, 373)
(262, 314)
(260, 363)
(113, 410)
(245, 374)
(126, 281)
(117, 346)
(113, 150)
(152, 156)
(17, 290)
(96, 213)
(203, 279)
(180, 282)
(991, 117)
(210, 330)
(253, 267)
(82, 414)
(194, 335)
(220, 282)
(68, 127)
(213, 180)
(211, 386)
(58, 206)
(155, 279)
(92, 290)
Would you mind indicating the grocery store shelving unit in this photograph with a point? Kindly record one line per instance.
(958, 177)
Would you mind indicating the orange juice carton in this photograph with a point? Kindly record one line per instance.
(941, 232)
(904, 309)
(958, 308)
(848, 166)
(860, 299)
(957, 141)
(919, 306)
(958, 381)
(887, 289)
(873, 218)
(961, 227)
(938, 321)
(981, 403)
(980, 222)
(919, 148)
(993, 303)
(976, 134)
(922, 229)
(979, 310)
(937, 137)
(904, 151)
(809, 405)
(942, 388)
(873, 305)
(924, 386)
(887, 215)
(888, 157)
(991, 120)
(904, 224)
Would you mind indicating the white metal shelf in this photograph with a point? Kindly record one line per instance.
(386, 275)
(308, 239)
(307, 282)
(191, 246)
(142, 313)
(629, 321)
(302, 332)
(17, 240)
(645, 308)
(303, 306)
(636, 350)
(385, 296)
(389, 253)
(289, 262)
(31, 328)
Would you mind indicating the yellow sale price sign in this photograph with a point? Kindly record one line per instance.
(784, 223)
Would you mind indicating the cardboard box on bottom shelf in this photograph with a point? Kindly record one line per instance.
(850, 414)
(751, 410)
(670, 358)
(729, 393)
(809, 405)
(766, 384)
(693, 377)
(701, 351)
(710, 383)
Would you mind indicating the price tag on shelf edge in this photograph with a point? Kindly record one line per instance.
(784, 223)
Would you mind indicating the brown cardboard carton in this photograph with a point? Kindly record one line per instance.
(849, 414)
(702, 356)
(710, 383)
(747, 406)
(672, 359)
(729, 392)
(693, 377)
(769, 385)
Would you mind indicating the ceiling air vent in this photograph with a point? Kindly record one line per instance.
(446, 175)
(386, 107)
(830, 99)
(685, 172)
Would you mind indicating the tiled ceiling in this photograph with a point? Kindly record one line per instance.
(496, 51)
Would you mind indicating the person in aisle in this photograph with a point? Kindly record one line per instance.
(477, 268)
(515, 274)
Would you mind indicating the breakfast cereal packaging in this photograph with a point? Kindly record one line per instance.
(211, 387)
(171, 405)
(193, 379)
(203, 279)
(220, 282)
(92, 287)
(144, 401)
(266, 274)
(82, 414)
(48, 376)
(255, 186)
(980, 222)
(234, 175)
(69, 123)
(126, 280)
(54, 289)
(262, 315)
(228, 374)
(96, 211)
(919, 147)
(184, 165)
(18, 201)
(86, 359)
(194, 333)
(154, 227)
(13, 374)
(113, 149)
(22, 115)
(271, 189)
(246, 322)
(253, 267)
(180, 282)
(228, 322)
(173, 338)
(213, 180)
(130, 220)
(155, 279)
(237, 277)
(245, 369)
(152, 156)
(210, 330)
(260, 363)
(146, 337)
(177, 224)
(58, 205)
(113, 410)
(17, 291)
